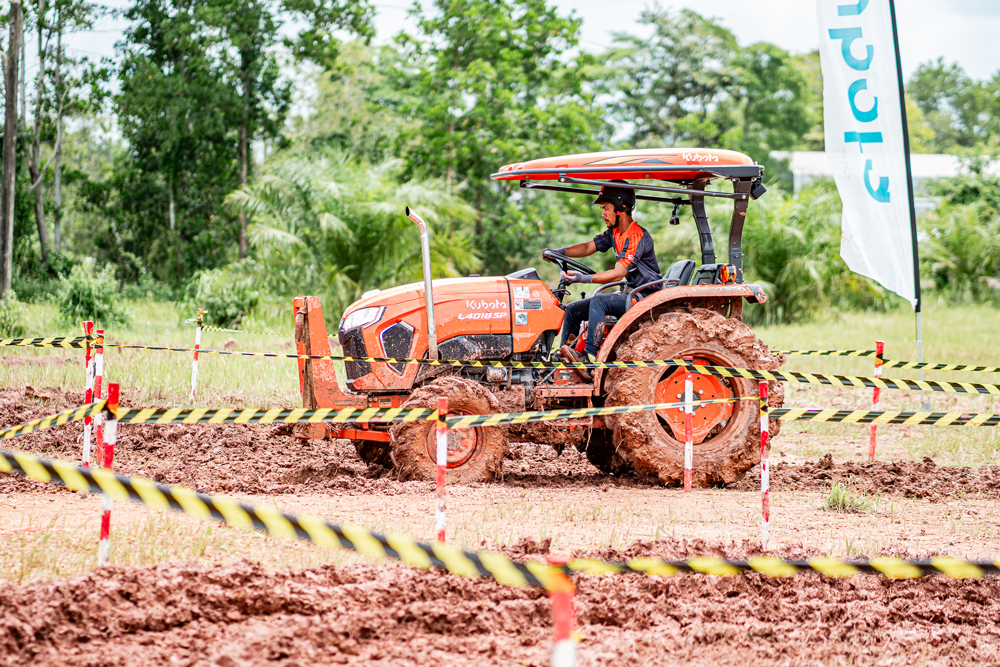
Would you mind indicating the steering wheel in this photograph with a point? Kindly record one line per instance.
(562, 261)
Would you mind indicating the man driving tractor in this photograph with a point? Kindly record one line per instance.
(636, 264)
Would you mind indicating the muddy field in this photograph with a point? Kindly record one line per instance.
(235, 611)
(241, 615)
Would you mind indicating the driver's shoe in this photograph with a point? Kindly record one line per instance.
(570, 355)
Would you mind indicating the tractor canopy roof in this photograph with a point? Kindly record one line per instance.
(680, 165)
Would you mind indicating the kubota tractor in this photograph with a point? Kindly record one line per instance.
(697, 313)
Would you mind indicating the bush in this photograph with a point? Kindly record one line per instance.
(13, 316)
(89, 294)
(961, 252)
(226, 301)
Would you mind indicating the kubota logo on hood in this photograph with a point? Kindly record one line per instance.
(485, 305)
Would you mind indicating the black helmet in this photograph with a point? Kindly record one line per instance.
(622, 198)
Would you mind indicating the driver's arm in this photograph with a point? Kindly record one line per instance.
(611, 275)
(581, 249)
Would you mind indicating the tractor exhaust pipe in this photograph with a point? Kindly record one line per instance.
(425, 253)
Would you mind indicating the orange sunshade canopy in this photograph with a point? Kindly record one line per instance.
(672, 164)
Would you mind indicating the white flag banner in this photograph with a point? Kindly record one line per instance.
(864, 140)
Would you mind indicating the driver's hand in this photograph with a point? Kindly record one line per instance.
(576, 277)
(558, 251)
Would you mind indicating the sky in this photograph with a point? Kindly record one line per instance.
(962, 31)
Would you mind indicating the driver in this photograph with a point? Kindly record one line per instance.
(636, 264)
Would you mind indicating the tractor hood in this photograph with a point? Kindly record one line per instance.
(484, 294)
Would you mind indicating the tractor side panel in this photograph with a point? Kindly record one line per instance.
(535, 311)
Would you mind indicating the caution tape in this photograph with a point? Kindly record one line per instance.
(827, 353)
(377, 415)
(718, 371)
(74, 415)
(52, 341)
(870, 417)
(490, 564)
(256, 333)
(941, 367)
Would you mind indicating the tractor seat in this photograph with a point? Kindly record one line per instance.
(679, 274)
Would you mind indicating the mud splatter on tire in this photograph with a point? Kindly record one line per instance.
(649, 446)
(410, 440)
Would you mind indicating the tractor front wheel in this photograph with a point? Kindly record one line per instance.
(474, 454)
(726, 434)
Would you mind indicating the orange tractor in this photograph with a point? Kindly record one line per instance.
(697, 313)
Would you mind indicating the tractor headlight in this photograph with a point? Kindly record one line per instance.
(362, 317)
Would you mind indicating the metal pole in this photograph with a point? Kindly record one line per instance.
(765, 468)
(688, 425)
(924, 401)
(441, 459)
(110, 438)
(425, 253)
(88, 395)
(9, 151)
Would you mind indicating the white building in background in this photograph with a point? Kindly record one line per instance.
(807, 166)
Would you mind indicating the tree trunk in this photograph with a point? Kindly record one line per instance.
(36, 140)
(57, 177)
(9, 152)
(247, 83)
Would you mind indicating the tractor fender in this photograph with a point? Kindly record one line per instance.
(669, 299)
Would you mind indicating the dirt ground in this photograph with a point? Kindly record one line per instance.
(231, 609)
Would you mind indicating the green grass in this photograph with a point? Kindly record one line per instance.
(845, 500)
(163, 379)
(54, 549)
(954, 335)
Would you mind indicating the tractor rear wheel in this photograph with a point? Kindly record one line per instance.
(474, 454)
(726, 435)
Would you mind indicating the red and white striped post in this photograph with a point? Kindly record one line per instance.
(879, 350)
(98, 382)
(765, 469)
(688, 425)
(88, 394)
(197, 346)
(563, 597)
(442, 465)
(110, 437)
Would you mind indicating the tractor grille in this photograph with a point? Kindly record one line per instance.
(396, 343)
(354, 346)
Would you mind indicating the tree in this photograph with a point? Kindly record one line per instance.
(491, 82)
(329, 224)
(249, 31)
(176, 111)
(669, 85)
(691, 83)
(961, 112)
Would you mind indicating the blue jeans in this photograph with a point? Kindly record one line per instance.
(594, 310)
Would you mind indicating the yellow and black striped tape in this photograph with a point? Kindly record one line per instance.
(718, 371)
(52, 341)
(443, 556)
(375, 415)
(74, 415)
(827, 353)
(256, 333)
(966, 368)
(388, 415)
(869, 417)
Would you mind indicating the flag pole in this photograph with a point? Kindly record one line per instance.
(924, 402)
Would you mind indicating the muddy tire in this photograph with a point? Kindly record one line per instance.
(475, 455)
(647, 442)
(600, 451)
